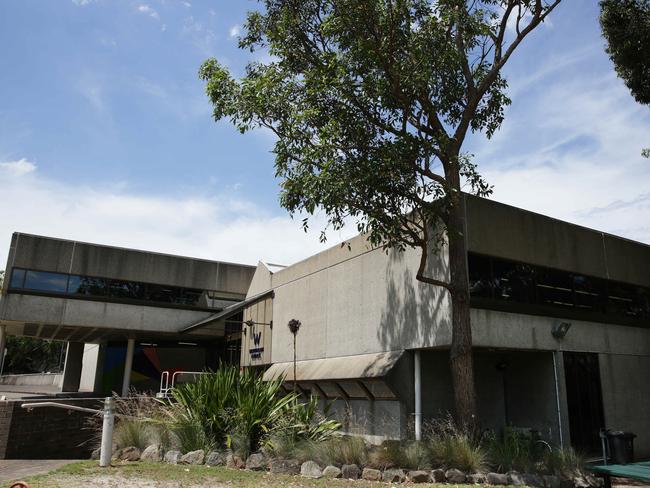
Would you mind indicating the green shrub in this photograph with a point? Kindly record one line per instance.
(565, 461)
(514, 450)
(135, 433)
(452, 446)
(300, 421)
(337, 451)
(239, 410)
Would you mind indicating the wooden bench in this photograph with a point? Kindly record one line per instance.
(637, 471)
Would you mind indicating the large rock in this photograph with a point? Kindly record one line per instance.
(477, 478)
(193, 457)
(455, 476)
(172, 457)
(256, 462)
(215, 458)
(497, 479)
(152, 454)
(371, 474)
(284, 466)
(515, 479)
(309, 469)
(130, 454)
(581, 482)
(419, 476)
(350, 472)
(394, 476)
(234, 462)
(438, 476)
(331, 472)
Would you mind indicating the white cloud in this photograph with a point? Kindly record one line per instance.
(82, 3)
(570, 148)
(91, 87)
(220, 226)
(234, 31)
(201, 36)
(17, 168)
(147, 10)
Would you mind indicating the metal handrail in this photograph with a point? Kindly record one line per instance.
(106, 450)
(164, 379)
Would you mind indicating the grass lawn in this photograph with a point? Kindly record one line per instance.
(88, 474)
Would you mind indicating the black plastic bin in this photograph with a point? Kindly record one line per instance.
(621, 446)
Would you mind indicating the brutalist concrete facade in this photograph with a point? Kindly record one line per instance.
(364, 301)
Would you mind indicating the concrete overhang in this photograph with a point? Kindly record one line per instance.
(227, 312)
(363, 366)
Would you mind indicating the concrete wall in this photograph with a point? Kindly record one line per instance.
(34, 379)
(626, 397)
(356, 302)
(28, 311)
(512, 233)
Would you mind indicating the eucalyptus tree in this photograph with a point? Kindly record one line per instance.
(370, 102)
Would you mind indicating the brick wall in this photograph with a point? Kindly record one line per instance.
(46, 433)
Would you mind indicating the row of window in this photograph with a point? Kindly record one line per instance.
(119, 290)
(495, 279)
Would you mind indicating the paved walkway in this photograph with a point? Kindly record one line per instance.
(17, 469)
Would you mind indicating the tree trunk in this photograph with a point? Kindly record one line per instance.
(460, 356)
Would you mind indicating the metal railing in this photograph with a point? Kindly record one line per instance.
(106, 449)
(166, 385)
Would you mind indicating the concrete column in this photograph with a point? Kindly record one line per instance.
(417, 373)
(73, 365)
(128, 364)
(3, 346)
(99, 372)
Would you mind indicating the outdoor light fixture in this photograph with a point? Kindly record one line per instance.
(560, 329)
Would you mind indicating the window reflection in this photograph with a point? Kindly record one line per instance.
(43, 281)
(93, 287)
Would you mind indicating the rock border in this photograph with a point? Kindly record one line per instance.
(310, 469)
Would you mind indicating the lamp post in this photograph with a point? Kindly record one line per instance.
(294, 327)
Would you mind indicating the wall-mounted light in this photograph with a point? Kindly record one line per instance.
(560, 329)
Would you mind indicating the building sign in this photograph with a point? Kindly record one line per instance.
(257, 330)
(256, 352)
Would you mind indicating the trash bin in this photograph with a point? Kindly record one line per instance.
(621, 446)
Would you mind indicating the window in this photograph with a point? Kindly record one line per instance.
(17, 278)
(43, 281)
(542, 290)
(118, 290)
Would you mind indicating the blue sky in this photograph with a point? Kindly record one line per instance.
(106, 134)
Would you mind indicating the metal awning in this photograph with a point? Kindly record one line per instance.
(229, 311)
(360, 366)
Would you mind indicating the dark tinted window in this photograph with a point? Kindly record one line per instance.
(481, 283)
(43, 281)
(126, 289)
(17, 278)
(501, 280)
(88, 286)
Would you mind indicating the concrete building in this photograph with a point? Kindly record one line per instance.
(560, 321)
(120, 310)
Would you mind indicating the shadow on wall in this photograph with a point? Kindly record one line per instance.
(416, 315)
